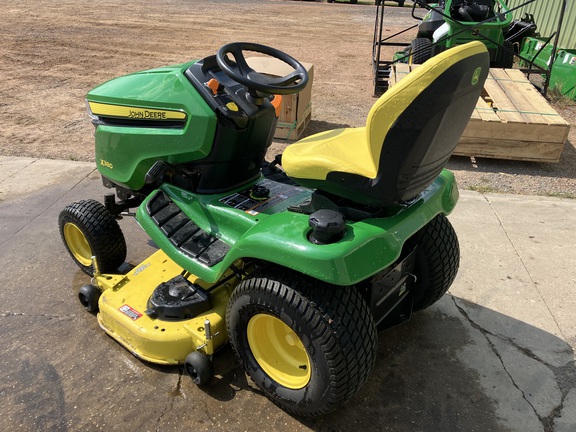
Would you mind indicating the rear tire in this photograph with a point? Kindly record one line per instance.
(308, 345)
(422, 49)
(505, 56)
(437, 261)
(88, 229)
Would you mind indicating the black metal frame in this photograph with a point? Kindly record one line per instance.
(381, 69)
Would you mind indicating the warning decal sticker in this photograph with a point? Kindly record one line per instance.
(278, 193)
(130, 312)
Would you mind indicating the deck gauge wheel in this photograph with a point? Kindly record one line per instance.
(199, 367)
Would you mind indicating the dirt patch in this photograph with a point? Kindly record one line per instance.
(54, 52)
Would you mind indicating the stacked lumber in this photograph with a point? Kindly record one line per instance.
(512, 120)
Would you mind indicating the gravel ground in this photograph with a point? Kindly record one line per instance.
(52, 53)
(527, 178)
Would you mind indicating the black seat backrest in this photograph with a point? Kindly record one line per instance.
(415, 126)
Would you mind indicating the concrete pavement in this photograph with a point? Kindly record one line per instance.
(495, 354)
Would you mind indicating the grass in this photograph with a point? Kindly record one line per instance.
(566, 195)
(559, 100)
(482, 188)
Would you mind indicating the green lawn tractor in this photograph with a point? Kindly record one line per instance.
(297, 262)
(450, 23)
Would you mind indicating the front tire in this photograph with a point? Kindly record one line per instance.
(308, 345)
(420, 50)
(88, 229)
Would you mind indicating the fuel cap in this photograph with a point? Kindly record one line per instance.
(328, 226)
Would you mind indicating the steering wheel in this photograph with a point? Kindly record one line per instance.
(239, 71)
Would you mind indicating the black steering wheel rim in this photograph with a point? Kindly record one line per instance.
(239, 70)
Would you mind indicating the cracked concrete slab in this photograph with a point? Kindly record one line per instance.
(496, 354)
(493, 274)
(542, 232)
(22, 176)
(508, 289)
(566, 421)
(534, 379)
(512, 409)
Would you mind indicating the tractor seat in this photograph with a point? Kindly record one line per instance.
(410, 133)
(472, 11)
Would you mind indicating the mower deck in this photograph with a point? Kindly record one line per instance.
(126, 317)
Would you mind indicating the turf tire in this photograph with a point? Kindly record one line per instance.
(333, 323)
(437, 261)
(422, 49)
(505, 57)
(100, 231)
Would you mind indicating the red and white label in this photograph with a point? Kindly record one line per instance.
(130, 312)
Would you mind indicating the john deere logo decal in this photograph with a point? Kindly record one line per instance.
(136, 113)
(476, 76)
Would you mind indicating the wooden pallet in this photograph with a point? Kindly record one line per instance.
(292, 131)
(512, 120)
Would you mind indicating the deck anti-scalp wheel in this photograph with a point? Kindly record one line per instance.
(437, 261)
(88, 229)
(89, 296)
(308, 345)
(199, 367)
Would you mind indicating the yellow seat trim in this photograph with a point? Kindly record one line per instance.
(357, 150)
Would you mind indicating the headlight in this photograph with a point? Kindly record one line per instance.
(92, 116)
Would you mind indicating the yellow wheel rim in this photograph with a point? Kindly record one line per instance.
(77, 243)
(279, 351)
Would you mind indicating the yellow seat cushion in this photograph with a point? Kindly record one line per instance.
(336, 150)
(358, 150)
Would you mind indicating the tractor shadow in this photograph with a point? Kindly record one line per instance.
(422, 380)
(317, 126)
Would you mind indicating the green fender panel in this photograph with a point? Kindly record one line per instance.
(368, 246)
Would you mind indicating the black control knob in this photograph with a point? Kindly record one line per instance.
(259, 192)
(156, 172)
(328, 226)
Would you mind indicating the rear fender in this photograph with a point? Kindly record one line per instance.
(367, 247)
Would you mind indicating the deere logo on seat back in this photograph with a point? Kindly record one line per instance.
(476, 76)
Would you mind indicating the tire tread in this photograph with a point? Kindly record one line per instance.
(338, 317)
(101, 230)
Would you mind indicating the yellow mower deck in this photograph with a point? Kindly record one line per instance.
(122, 313)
